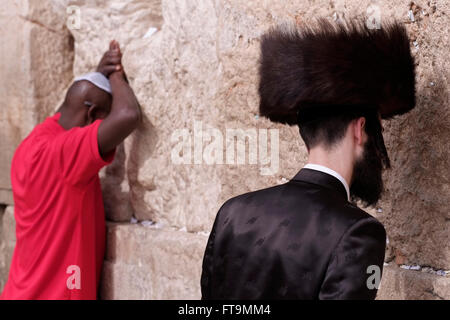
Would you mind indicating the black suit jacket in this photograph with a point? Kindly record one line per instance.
(299, 240)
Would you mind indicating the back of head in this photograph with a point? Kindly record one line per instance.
(323, 77)
(76, 94)
(84, 103)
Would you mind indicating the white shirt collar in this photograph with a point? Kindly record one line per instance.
(324, 169)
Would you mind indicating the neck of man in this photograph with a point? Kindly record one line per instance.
(69, 118)
(338, 159)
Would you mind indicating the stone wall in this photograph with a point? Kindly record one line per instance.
(35, 67)
(7, 242)
(193, 66)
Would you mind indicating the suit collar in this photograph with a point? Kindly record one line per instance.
(331, 172)
(322, 179)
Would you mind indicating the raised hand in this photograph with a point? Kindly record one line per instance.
(111, 61)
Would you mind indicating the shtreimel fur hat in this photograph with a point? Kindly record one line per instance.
(335, 65)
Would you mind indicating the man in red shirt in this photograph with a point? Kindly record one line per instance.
(60, 222)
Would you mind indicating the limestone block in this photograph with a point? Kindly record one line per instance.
(6, 195)
(3, 276)
(115, 188)
(400, 284)
(416, 210)
(9, 225)
(7, 242)
(149, 263)
(101, 22)
(36, 67)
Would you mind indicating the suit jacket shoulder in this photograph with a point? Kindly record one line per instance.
(298, 240)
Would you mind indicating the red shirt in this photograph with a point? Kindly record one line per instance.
(58, 208)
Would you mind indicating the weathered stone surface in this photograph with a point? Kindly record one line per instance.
(6, 195)
(201, 65)
(36, 67)
(3, 273)
(116, 189)
(200, 68)
(100, 22)
(149, 263)
(400, 284)
(7, 242)
(416, 211)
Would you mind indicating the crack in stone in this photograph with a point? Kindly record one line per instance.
(434, 294)
(40, 24)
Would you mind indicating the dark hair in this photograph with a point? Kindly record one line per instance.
(327, 130)
(323, 124)
(327, 124)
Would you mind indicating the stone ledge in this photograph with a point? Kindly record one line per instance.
(9, 225)
(148, 263)
(7, 242)
(6, 196)
(401, 284)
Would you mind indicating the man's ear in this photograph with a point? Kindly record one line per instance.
(92, 113)
(359, 130)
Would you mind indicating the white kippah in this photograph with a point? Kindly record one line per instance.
(97, 79)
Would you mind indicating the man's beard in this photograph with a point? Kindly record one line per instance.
(367, 182)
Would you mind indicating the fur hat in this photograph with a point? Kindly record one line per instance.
(335, 65)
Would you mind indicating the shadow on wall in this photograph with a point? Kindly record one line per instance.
(417, 216)
(145, 135)
(121, 177)
(115, 188)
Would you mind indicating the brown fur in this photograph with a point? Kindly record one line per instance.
(335, 65)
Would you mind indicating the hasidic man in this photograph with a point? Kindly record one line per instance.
(58, 206)
(305, 239)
